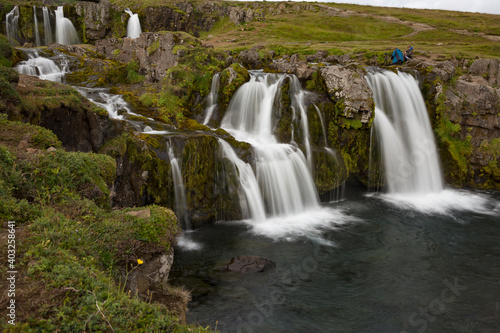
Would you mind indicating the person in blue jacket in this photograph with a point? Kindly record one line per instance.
(397, 57)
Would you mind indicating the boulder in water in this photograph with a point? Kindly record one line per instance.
(249, 264)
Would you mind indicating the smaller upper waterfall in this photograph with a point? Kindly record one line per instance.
(12, 24)
(47, 27)
(134, 25)
(65, 31)
(37, 32)
(44, 68)
(180, 193)
(409, 154)
(212, 98)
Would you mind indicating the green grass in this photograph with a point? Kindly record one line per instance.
(74, 254)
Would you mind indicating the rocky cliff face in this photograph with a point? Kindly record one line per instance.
(464, 101)
(154, 52)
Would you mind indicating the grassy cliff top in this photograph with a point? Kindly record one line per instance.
(344, 28)
(305, 27)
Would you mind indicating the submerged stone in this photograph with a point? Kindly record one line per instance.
(249, 264)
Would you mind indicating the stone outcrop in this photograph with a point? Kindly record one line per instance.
(347, 84)
(292, 65)
(96, 17)
(153, 51)
(466, 118)
(151, 274)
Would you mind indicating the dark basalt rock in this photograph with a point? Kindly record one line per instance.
(249, 264)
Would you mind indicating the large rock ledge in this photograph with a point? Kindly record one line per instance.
(153, 51)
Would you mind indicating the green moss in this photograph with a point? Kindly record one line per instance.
(132, 75)
(228, 84)
(154, 47)
(455, 152)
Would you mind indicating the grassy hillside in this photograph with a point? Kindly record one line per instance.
(341, 28)
(305, 27)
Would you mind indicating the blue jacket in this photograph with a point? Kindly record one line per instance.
(396, 56)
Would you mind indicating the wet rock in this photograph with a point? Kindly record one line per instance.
(249, 264)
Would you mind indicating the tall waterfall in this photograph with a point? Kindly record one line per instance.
(47, 27)
(37, 33)
(12, 24)
(212, 98)
(408, 149)
(282, 172)
(180, 193)
(133, 25)
(65, 31)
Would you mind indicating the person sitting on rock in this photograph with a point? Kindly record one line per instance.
(409, 53)
(397, 57)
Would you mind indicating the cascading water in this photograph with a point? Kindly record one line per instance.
(47, 27)
(12, 24)
(322, 125)
(37, 33)
(133, 25)
(212, 99)
(408, 149)
(251, 202)
(283, 175)
(116, 106)
(65, 31)
(180, 193)
(298, 104)
(44, 68)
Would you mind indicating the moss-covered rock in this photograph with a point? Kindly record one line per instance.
(231, 79)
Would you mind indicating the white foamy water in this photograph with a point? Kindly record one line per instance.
(44, 68)
(186, 243)
(445, 202)
(311, 223)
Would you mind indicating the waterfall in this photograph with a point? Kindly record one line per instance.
(408, 149)
(180, 193)
(212, 98)
(251, 202)
(65, 31)
(12, 24)
(37, 33)
(322, 125)
(249, 113)
(298, 104)
(282, 171)
(116, 106)
(47, 27)
(44, 68)
(134, 25)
